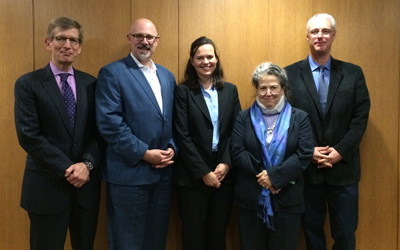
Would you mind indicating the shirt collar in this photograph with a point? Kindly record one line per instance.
(314, 66)
(56, 71)
(203, 89)
(141, 66)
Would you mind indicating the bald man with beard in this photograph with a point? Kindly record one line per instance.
(134, 101)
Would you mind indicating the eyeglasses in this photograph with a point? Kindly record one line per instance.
(72, 41)
(140, 37)
(325, 32)
(272, 90)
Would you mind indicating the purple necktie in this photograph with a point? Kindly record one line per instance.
(69, 98)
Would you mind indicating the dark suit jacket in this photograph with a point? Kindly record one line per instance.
(247, 160)
(194, 132)
(52, 145)
(345, 121)
(130, 120)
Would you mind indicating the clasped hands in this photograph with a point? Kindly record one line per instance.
(214, 178)
(265, 182)
(159, 158)
(326, 157)
(77, 174)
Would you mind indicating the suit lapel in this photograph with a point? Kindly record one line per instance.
(334, 82)
(163, 79)
(142, 81)
(81, 105)
(308, 81)
(222, 102)
(50, 85)
(198, 99)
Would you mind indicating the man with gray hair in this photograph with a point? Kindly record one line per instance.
(335, 96)
(55, 122)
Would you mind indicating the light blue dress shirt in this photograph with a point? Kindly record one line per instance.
(315, 71)
(211, 98)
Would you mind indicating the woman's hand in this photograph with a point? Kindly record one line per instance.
(265, 182)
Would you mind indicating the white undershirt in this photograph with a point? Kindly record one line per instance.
(151, 75)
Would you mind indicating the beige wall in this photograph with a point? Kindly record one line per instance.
(246, 34)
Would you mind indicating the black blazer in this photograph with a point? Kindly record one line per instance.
(52, 145)
(246, 154)
(345, 121)
(194, 131)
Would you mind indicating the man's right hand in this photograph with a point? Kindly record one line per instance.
(320, 157)
(211, 180)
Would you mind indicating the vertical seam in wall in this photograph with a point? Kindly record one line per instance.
(398, 162)
(178, 55)
(398, 168)
(130, 16)
(33, 36)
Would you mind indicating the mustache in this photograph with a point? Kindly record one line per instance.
(144, 46)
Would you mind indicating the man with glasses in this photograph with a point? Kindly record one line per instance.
(335, 96)
(134, 100)
(56, 126)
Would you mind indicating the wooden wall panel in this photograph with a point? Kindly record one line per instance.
(16, 58)
(246, 33)
(287, 31)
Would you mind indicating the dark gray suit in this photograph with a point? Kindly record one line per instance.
(52, 145)
(344, 124)
(342, 128)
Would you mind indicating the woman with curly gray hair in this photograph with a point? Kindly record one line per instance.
(271, 146)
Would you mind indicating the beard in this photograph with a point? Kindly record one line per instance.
(144, 55)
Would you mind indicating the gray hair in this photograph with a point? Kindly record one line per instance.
(269, 68)
(323, 16)
(64, 23)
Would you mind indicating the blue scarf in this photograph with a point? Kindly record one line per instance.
(272, 155)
